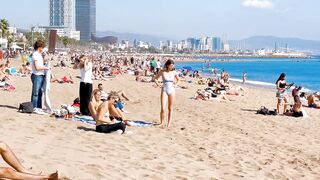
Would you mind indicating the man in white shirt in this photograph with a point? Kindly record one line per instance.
(37, 76)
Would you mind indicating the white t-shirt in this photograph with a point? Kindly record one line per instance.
(158, 64)
(86, 75)
(36, 56)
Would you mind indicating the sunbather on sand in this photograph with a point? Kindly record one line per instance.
(312, 101)
(19, 172)
(25, 69)
(98, 109)
(208, 94)
(64, 79)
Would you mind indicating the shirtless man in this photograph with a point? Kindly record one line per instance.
(98, 109)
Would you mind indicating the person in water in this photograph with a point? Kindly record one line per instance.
(170, 81)
(282, 87)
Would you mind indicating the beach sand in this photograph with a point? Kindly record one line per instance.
(207, 140)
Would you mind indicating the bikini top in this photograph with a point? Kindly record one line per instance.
(282, 85)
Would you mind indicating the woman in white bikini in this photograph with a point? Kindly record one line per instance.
(170, 81)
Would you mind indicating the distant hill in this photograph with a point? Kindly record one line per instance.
(106, 39)
(154, 40)
(268, 42)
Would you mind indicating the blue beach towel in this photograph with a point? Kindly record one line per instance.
(140, 124)
(84, 119)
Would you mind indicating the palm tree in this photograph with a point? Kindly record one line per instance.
(4, 25)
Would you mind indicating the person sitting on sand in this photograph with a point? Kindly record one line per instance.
(312, 101)
(115, 110)
(19, 171)
(25, 69)
(98, 109)
(296, 110)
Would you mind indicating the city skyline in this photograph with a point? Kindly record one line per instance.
(180, 19)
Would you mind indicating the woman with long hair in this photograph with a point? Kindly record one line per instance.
(170, 81)
(282, 87)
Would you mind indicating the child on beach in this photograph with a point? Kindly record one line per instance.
(170, 81)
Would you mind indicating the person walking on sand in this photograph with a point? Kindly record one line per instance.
(244, 77)
(170, 81)
(19, 172)
(85, 89)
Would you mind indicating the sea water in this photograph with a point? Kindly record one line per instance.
(263, 71)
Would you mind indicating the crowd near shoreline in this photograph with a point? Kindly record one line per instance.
(214, 123)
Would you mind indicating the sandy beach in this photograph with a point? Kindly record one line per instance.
(207, 140)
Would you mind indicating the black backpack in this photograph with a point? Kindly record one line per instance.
(26, 107)
(263, 110)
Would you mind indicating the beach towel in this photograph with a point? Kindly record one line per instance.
(137, 123)
(84, 119)
(46, 88)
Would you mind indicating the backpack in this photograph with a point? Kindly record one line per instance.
(26, 107)
(263, 110)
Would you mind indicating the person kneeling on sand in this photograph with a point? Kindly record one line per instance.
(98, 109)
(19, 172)
(296, 110)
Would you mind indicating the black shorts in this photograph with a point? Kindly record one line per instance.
(108, 128)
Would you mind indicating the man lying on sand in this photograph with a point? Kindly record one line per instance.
(19, 172)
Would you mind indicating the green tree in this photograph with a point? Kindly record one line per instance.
(4, 26)
(65, 41)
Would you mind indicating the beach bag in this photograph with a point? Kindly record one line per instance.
(263, 110)
(26, 107)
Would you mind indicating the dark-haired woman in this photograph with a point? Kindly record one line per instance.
(282, 87)
(85, 90)
(170, 80)
(37, 76)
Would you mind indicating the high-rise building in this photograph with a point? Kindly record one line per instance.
(86, 18)
(216, 44)
(62, 13)
(62, 16)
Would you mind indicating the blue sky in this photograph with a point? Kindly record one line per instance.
(179, 19)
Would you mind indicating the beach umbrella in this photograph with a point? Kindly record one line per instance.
(14, 46)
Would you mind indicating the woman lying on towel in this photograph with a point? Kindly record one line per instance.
(18, 171)
(98, 109)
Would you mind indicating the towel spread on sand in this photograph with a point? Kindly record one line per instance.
(90, 120)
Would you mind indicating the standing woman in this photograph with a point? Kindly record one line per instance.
(85, 90)
(170, 81)
(37, 76)
(282, 87)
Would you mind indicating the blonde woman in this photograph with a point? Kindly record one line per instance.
(98, 109)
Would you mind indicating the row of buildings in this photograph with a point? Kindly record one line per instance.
(205, 44)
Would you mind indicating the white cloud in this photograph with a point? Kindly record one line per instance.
(262, 4)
